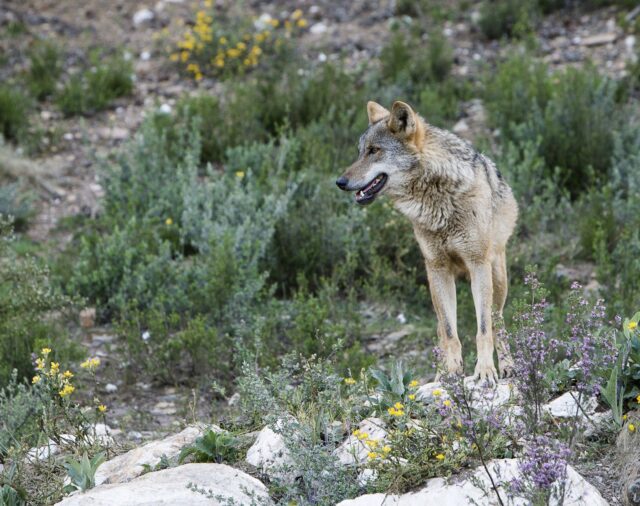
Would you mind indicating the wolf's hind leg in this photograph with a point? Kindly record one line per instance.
(442, 286)
(500, 288)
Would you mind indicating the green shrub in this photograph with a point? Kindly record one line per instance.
(571, 116)
(26, 298)
(212, 446)
(44, 70)
(500, 18)
(14, 112)
(16, 205)
(94, 89)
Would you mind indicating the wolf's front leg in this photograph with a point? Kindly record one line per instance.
(442, 286)
(482, 289)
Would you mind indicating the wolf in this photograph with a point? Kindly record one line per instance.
(462, 211)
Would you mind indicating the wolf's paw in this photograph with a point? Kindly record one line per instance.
(507, 369)
(486, 373)
(454, 365)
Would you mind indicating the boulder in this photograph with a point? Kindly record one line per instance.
(269, 454)
(355, 451)
(484, 396)
(469, 490)
(216, 484)
(566, 406)
(132, 464)
(627, 451)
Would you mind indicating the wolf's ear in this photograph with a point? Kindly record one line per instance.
(376, 112)
(403, 120)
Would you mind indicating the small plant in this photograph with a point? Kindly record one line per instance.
(44, 70)
(219, 45)
(500, 18)
(212, 446)
(82, 473)
(16, 205)
(14, 112)
(94, 89)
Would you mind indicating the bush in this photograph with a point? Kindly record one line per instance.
(94, 89)
(499, 18)
(44, 70)
(14, 112)
(15, 205)
(27, 300)
(572, 116)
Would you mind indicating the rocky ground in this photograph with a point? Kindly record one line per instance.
(69, 170)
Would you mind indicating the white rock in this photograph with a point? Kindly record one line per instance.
(50, 449)
(566, 406)
(318, 28)
(234, 399)
(322, 57)
(354, 451)
(142, 16)
(599, 39)
(111, 388)
(130, 465)
(597, 423)
(169, 487)
(461, 491)
(270, 454)
(165, 109)
(483, 397)
(103, 434)
(262, 22)
(145, 56)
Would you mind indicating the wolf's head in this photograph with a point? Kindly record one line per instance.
(387, 151)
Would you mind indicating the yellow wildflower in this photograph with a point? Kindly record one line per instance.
(193, 67)
(413, 384)
(624, 417)
(372, 455)
(302, 23)
(440, 456)
(233, 52)
(255, 50)
(287, 25)
(102, 408)
(66, 390)
(45, 351)
(90, 363)
(632, 325)
(39, 363)
(184, 56)
(274, 22)
(208, 4)
(168, 221)
(398, 405)
(372, 443)
(297, 14)
(412, 397)
(240, 175)
(246, 62)
(219, 61)
(631, 427)
(55, 367)
(174, 56)
(395, 412)
(350, 381)
(363, 436)
(447, 403)
(67, 375)
(35, 379)
(638, 399)
(260, 37)
(386, 449)
(437, 392)
(223, 41)
(198, 76)
(241, 46)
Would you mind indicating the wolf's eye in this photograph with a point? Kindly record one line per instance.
(373, 150)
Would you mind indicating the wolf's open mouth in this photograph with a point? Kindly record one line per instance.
(369, 192)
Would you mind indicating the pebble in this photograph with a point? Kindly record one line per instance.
(111, 388)
(318, 28)
(142, 16)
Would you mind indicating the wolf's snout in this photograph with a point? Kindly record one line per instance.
(342, 182)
